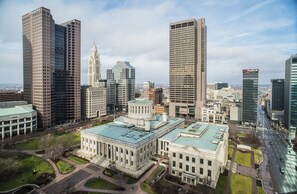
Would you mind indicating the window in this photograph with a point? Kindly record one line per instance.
(201, 161)
(173, 172)
(209, 163)
(209, 173)
(201, 171)
(127, 152)
(126, 161)
(174, 154)
(187, 158)
(193, 160)
(180, 165)
(121, 150)
(121, 159)
(173, 163)
(193, 169)
(117, 149)
(187, 167)
(131, 153)
(180, 156)
(131, 163)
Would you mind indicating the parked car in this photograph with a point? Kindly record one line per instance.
(282, 160)
(270, 143)
(282, 170)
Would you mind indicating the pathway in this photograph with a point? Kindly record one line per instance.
(264, 173)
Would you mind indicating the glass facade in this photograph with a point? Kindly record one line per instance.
(60, 73)
(250, 95)
(291, 92)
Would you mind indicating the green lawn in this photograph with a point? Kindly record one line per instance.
(27, 145)
(243, 158)
(258, 155)
(260, 190)
(97, 183)
(26, 173)
(154, 174)
(33, 144)
(230, 150)
(147, 188)
(64, 167)
(221, 184)
(240, 184)
(77, 160)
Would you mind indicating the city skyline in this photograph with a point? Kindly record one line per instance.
(235, 41)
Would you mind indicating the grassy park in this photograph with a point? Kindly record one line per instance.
(240, 184)
(243, 159)
(77, 160)
(31, 170)
(64, 167)
(98, 183)
(36, 143)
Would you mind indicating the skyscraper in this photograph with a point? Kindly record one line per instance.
(51, 57)
(250, 95)
(120, 85)
(94, 74)
(277, 94)
(290, 105)
(187, 68)
(39, 60)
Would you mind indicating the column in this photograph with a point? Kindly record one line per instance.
(18, 127)
(10, 130)
(3, 135)
(31, 124)
(25, 127)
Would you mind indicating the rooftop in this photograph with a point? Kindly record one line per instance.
(141, 100)
(15, 110)
(199, 135)
(128, 133)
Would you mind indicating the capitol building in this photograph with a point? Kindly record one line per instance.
(129, 141)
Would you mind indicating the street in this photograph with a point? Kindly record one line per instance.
(281, 156)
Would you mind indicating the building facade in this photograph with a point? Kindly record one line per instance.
(11, 96)
(187, 68)
(93, 102)
(51, 67)
(250, 95)
(235, 113)
(128, 143)
(197, 154)
(277, 94)
(94, 72)
(120, 86)
(290, 103)
(17, 120)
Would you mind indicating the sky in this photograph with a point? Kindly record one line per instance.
(240, 34)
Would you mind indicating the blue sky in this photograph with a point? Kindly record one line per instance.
(240, 34)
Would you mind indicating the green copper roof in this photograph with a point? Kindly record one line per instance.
(15, 110)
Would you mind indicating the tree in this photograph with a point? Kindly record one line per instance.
(46, 141)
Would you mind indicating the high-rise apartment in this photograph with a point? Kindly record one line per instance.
(187, 68)
(51, 57)
(277, 94)
(120, 86)
(290, 103)
(94, 74)
(250, 95)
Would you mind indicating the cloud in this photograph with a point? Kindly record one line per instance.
(240, 35)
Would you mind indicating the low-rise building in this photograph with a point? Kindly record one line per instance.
(128, 143)
(197, 154)
(17, 120)
(159, 109)
(211, 115)
(235, 113)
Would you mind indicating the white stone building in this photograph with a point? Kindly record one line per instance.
(197, 154)
(128, 143)
(17, 120)
(235, 113)
(211, 115)
(93, 102)
(94, 74)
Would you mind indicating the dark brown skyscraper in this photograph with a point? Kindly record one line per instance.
(42, 58)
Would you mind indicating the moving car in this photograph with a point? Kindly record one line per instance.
(282, 170)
